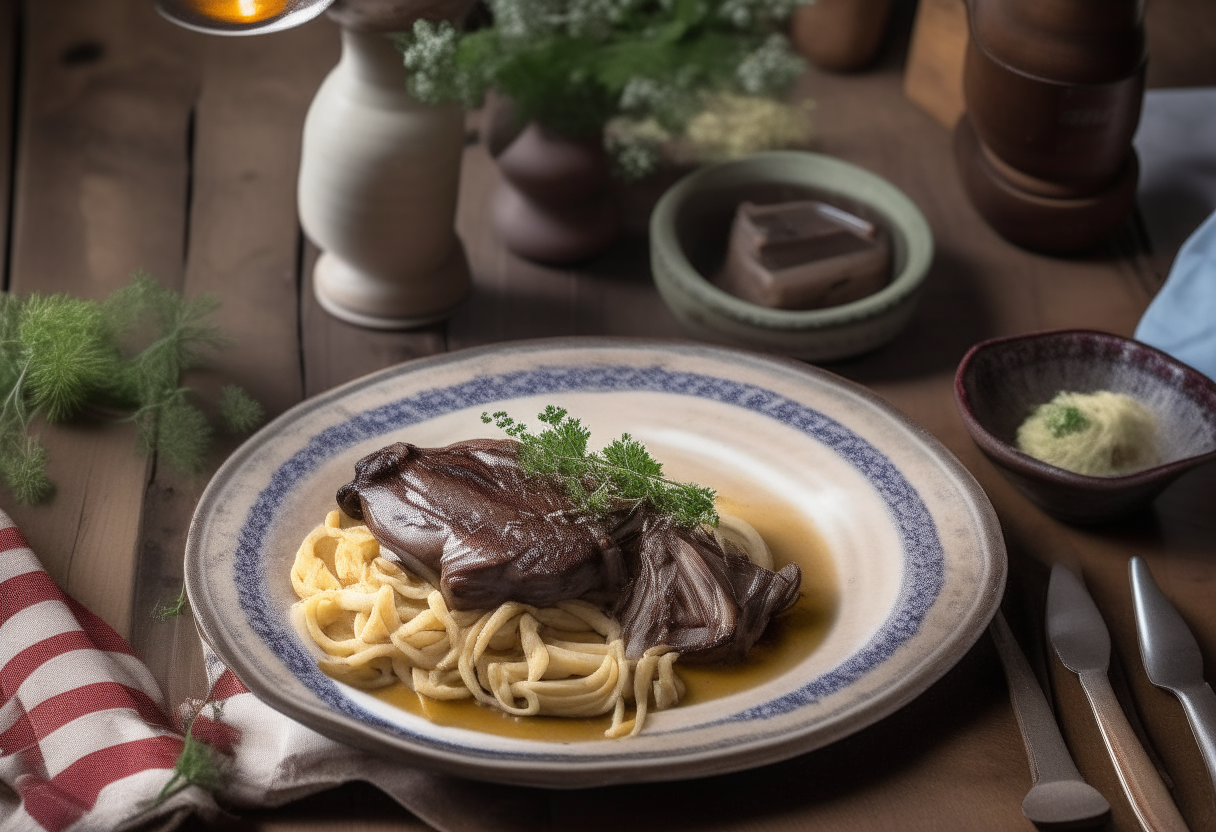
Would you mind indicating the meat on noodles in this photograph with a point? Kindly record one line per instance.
(467, 518)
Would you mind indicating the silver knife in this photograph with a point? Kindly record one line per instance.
(1172, 658)
(1059, 795)
(1080, 638)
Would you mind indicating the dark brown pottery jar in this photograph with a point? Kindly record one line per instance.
(1053, 91)
(840, 35)
(555, 204)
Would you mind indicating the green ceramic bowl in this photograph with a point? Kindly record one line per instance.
(688, 235)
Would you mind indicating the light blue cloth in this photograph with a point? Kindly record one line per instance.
(1181, 320)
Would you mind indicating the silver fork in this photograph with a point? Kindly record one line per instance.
(1059, 794)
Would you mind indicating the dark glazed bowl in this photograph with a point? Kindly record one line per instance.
(1001, 381)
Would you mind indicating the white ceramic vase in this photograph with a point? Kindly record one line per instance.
(379, 176)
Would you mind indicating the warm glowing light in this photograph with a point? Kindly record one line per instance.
(239, 11)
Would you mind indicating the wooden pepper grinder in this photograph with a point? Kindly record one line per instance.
(1053, 90)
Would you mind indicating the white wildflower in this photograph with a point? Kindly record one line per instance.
(636, 146)
(640, 93)
(732, 126)
(523, 19)
(595, 19)
(429, 56)
(746, 14)
(771, 66)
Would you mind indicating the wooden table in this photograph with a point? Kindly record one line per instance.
(136, 145)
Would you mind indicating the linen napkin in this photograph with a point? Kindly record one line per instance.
(1181, 319)
(87, 741)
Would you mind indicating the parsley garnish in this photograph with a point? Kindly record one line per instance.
(1066, 420)
(597, 481)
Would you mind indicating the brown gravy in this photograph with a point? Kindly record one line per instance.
(789, 638)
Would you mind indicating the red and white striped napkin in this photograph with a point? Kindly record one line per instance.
(87, 741)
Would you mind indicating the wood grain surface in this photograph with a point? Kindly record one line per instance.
(10, 69)
(99, 191)
(138, 145)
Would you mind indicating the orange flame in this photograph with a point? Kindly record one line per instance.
(239, 11)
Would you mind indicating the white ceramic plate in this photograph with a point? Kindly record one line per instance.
(913, 547)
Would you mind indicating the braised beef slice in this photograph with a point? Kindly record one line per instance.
(708, 603)
(468, 519)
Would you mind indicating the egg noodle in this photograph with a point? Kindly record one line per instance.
(378, 624)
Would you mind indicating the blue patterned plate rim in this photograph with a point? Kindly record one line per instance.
(560, 372)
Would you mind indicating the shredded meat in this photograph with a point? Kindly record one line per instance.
(468, 519)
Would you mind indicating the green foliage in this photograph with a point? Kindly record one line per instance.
(170, 333)
(23, 467)
(62, 357)
(574, 64)
(239, 412)
(67, 353)
(598, 481)
(177, 432)
(198, 765)
(172, 609)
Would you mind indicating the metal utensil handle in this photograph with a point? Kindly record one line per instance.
(1149, 798)
(1200, 704)
(1045, 749)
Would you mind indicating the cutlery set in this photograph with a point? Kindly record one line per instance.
(1079, 636)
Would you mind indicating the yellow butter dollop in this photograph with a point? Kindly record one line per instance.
(1100, 434)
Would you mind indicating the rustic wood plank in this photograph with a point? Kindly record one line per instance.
(244, 246)
(969, 754)
(10, 42)
(335, 351)
(877, 778)
(934, 75)
(513, 298)
(100, 188)
(353, 807)
(99, 192)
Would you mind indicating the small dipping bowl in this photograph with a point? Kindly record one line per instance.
(1000, 382)
(690, 229)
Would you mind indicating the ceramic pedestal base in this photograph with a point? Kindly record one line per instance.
(345, 292)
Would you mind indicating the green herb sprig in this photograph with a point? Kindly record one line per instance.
(574, 64)
(1065, 420)
(172, 609)
(198, 765)
(598, 481)
(121, 358)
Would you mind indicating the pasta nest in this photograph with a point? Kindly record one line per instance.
(378, 624)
